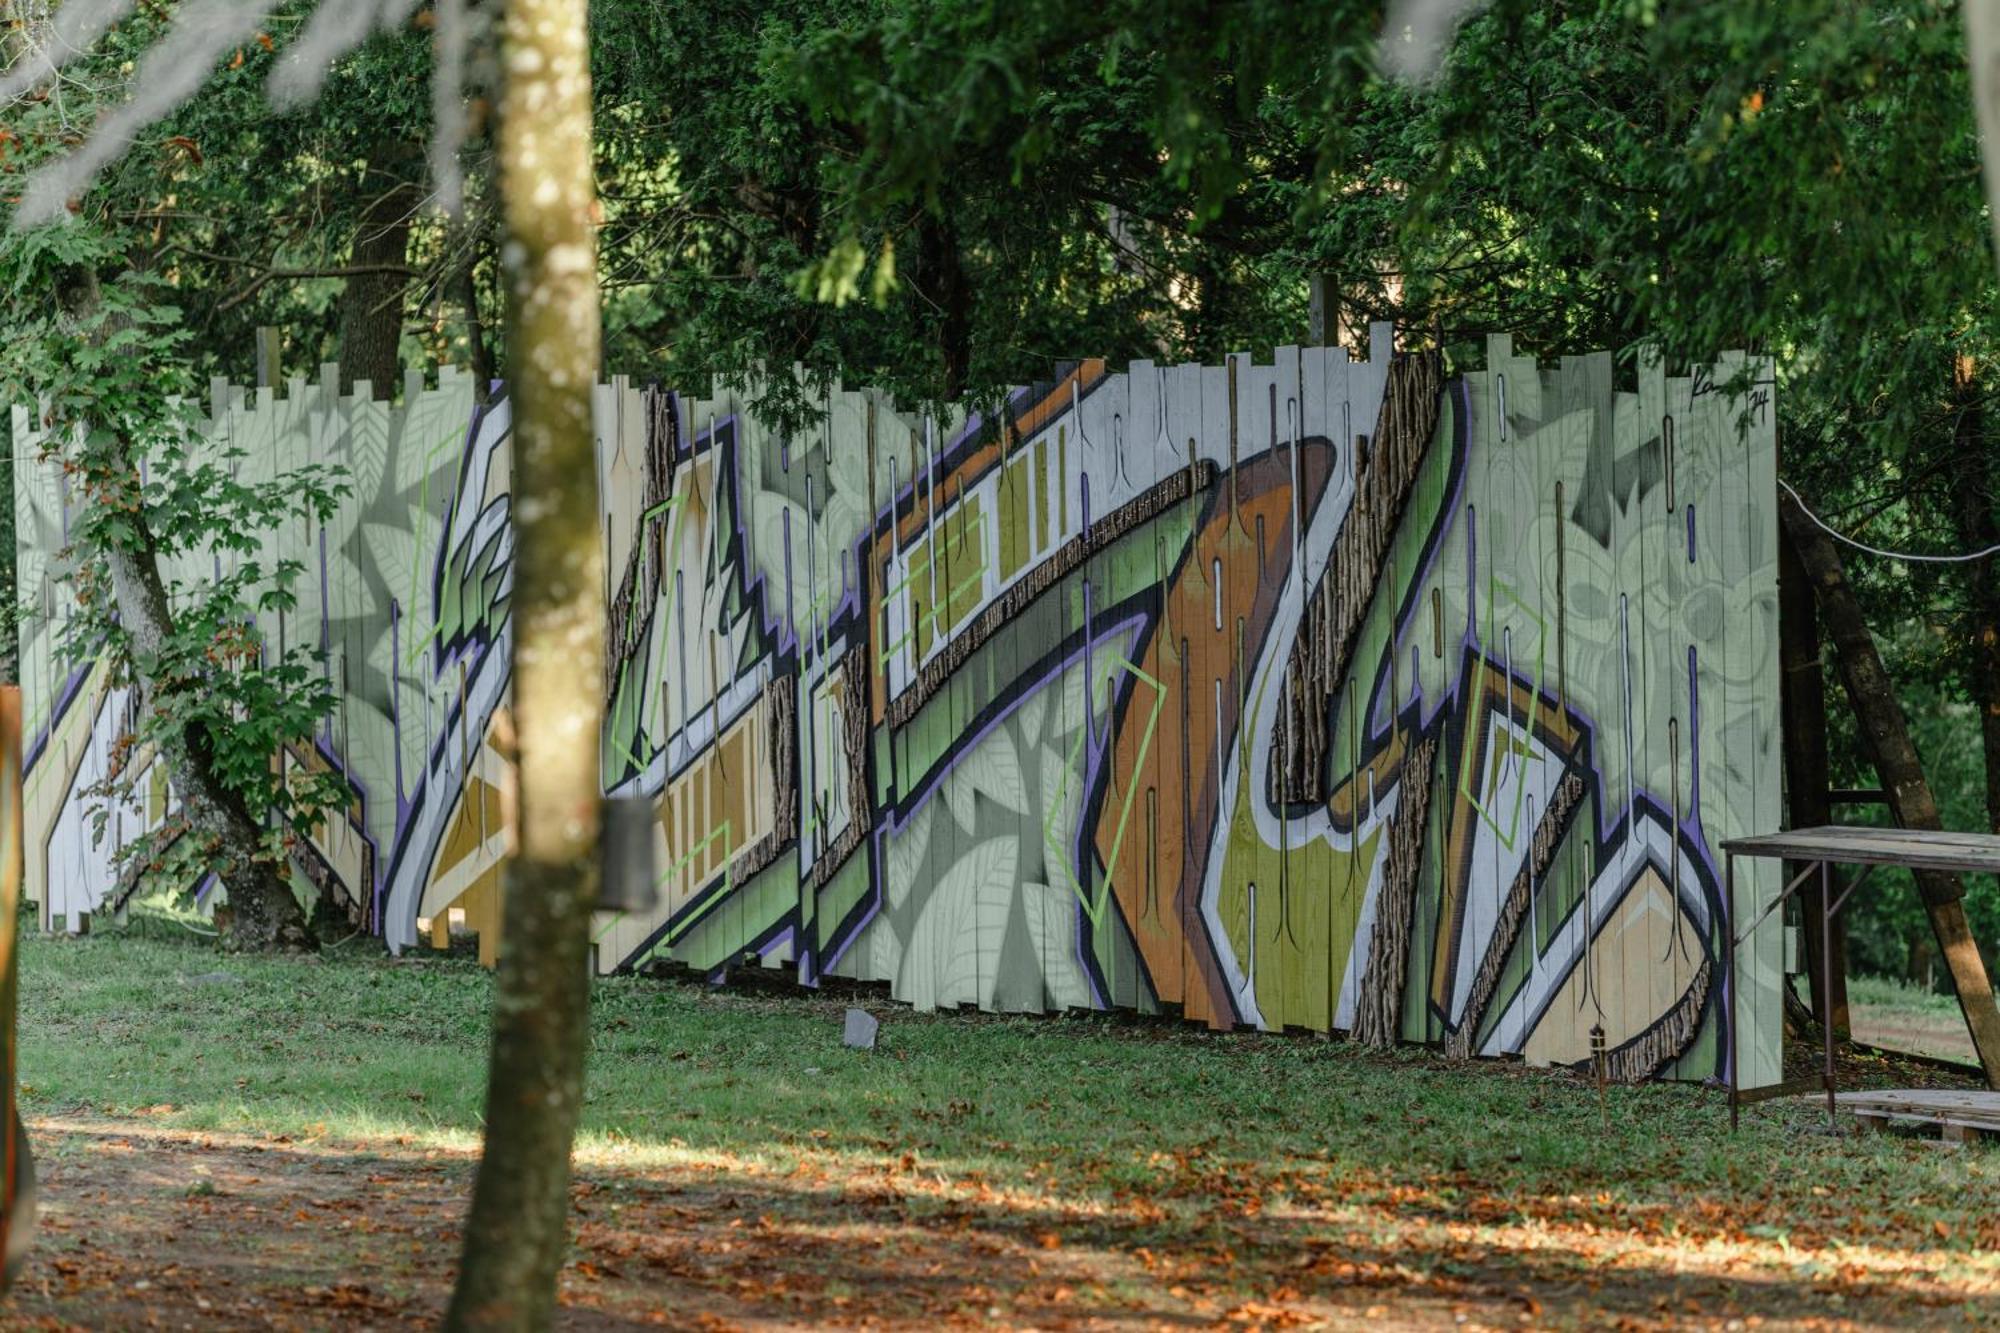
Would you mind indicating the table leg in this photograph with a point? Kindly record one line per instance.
(1729, 983)
(1826, 981)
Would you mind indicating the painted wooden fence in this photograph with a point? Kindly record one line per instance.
(1317, 693)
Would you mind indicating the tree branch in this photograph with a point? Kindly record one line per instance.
(257, 283)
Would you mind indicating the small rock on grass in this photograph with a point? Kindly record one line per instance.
(859, 1032)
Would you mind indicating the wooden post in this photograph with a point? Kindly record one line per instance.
(1807, 800)
(1322, 310)
(17, 1170)
(1885, 734)
(268, 369)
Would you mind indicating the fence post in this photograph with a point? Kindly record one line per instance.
(268, 345)
(1322, 309)
(17, 1169)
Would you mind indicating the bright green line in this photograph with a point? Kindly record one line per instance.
(895, 647)
(1054, 844)
(728, 888)
(1138, 764)
(692, 852)
(626, 703)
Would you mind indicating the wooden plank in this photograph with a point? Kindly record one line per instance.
(1956, 1102)
(1919, 849)
(1839, 834)
(1919, 1113)
(1971, 1112)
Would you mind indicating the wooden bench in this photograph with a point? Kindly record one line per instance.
(1961, 1116)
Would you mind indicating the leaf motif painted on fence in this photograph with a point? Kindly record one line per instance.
(993, 769)
(430, 447)
(1062, 789)
(959, 797)
(954, 951)
(1051, 918)
(879, 951)
(393, 547)
(847, 462)
(1033, 713)
(770, 509)
(907, 850)
(840, 520)
(366, 453)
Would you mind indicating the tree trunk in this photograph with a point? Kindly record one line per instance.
(1322, 310)
(1920, 960)
(465, 285)
(1972, 495)
(264, 913)
(517, 1233)
(1806, 783)
(1885, 735)
(371, 306)
(940, 278)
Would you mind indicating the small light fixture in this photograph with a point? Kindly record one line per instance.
(625, 856)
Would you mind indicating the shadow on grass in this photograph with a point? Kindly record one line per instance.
(278, 1233)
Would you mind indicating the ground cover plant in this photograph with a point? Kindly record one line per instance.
(286, 1142)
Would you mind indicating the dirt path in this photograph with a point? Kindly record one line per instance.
(1941, 1035)
(147, 1227)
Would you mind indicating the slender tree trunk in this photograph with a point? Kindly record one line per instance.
(1322, 310)
(264, 914)
(371, 306)
(1972, 495)
(1804, 707)
(465, 290)
(940, 277)
(1920, 960)
(1885, 736)
(518, 1229)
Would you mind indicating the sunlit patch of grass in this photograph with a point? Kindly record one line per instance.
(1895, 993)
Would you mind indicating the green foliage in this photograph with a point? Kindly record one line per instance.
(227, 192)
(104, 364)
(1007, 187)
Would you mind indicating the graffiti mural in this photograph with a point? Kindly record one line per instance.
(1324, 693)
(405, 605)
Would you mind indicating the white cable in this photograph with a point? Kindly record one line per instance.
(1840, 536)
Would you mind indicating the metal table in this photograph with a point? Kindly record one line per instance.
(1822, 849)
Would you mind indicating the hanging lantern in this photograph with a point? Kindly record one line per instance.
(625, 852)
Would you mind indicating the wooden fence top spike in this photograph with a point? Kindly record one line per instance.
(1381, 342)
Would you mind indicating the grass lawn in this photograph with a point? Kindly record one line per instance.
(1897, 1016)
(289, 1146)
